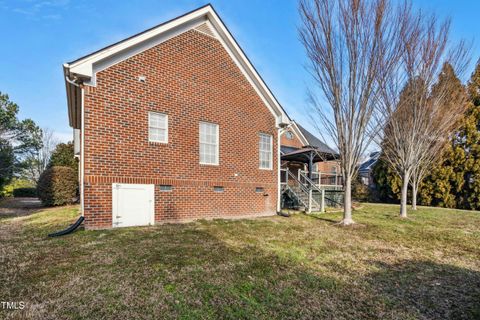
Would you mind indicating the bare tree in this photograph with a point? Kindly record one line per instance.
(419, 119)
(353, 46)
(39, 158)
(449, 101)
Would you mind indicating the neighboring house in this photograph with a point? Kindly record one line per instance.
(309, 168)
(365, 169)
(174, 124)
(327, 166)
(295, 139)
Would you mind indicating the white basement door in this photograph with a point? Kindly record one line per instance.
(133, 204)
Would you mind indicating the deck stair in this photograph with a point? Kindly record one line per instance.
(304, 194)
(300, 192)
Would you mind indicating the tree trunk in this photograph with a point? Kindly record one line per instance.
(347, 203)
(414, 195)
(403, 200)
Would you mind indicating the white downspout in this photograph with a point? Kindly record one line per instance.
(279, 177)
(279, 163)
(82, 155)
(82, 145)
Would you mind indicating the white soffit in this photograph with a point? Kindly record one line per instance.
(206, 28)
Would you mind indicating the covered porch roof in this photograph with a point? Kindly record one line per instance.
(309, 154)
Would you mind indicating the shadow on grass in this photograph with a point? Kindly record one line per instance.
(18, 207)
(318, 216)
(189, 271)
(429, 290)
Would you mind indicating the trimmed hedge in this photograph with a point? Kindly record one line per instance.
(58, 186)
(16, 183)
(24, 192)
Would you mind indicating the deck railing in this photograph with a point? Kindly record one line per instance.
(328, 193)
(325, 180)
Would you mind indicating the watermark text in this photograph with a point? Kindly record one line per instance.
(12, 305)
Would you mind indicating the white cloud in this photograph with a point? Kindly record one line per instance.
(48, 10)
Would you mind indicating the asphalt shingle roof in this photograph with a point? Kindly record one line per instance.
(315, 142)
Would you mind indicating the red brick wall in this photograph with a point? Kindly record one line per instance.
(328, 166)
(191, 78)
(295, 142)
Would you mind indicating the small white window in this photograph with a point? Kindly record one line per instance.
(289, 135)
(208, 143)
(265, 147)
(157, 127)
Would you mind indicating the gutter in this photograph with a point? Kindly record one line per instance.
(75, 99)
(73, 85)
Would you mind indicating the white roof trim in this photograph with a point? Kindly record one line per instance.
(86, 68)
(299, 133)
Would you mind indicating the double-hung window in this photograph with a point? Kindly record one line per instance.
(209, 143)
(265, 148)
(157, 127)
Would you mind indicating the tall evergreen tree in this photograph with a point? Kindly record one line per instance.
(387, 183)
(455, 180)
(441, 186)
(449, 95)
(17, 139)
(64, 156)
(469, 139)
(442, 168)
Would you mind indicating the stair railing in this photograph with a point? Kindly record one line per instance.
(312, 184)
(302, 186)
(304, 189)
(322, 191)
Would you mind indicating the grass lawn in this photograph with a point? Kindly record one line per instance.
(425, 267)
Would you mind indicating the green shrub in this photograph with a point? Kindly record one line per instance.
(64, 155)
(16, 183)
(58, 186)
(24, 192)
(360, 191)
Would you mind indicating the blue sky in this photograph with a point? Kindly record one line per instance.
(39, 36)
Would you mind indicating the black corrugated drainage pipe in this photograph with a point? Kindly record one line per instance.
(69, 229)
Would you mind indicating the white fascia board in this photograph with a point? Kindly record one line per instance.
(299, 133)
(143, 46)
(87, 68)
(247, 68)
(84, 66)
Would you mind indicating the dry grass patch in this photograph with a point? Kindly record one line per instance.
(425, 267)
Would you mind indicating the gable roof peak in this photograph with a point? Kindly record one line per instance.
(313, 141)
(85, 68)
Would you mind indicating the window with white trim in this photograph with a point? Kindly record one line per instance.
(208, 143)
(157, 127)
(265, 148)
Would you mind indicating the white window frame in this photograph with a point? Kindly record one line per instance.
(166, 127)
(260, 136)
(217, 145)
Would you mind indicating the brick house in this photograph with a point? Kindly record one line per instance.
(308, 166)
(174, 124)
(296, 137)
